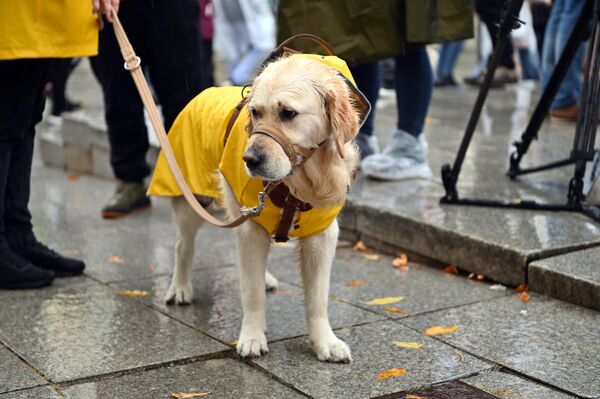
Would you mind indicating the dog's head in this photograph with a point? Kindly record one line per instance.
(299, 105)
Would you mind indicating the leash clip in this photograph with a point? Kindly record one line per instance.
(257, 210)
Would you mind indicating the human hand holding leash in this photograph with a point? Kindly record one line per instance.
(106, 7)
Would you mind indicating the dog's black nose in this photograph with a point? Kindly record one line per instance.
(252, 158)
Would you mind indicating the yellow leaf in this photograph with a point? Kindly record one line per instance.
(133, 293)
(385, 301)
(371, 256)
(408, 345)
(415, 397)
(400, 261)
(352, 284)
(524, 296)
(395, 310)
(116, 259)
(437, 330)
(390, 373)
(522, 288)
(184, 395)
(360, 246)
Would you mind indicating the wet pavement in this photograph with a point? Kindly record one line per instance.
(85, 338)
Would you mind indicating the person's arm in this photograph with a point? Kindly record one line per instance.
(105, 7)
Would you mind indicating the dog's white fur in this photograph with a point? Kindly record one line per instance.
(323, 113)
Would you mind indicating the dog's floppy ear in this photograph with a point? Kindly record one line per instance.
(343, 117)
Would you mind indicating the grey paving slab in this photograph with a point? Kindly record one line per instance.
(573, 277)
(424, 288)
(222, 378)
(373, 352)
(551, 341)
(91, 330)
(34, 393)
(217, 310)
(509, 386)
(15, 374)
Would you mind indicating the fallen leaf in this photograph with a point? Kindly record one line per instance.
(461, 357)
(400, 261)
(473, 276)
(450, 269)
(438, 330)
(116, 259)
(360, 246)
(480, 277)
(352, 284)
(72, 177)
(395, 310)
(408, 345)
(189, 395)
(390, 373)
(415, 397)
(134, 293)
(522, 288)
(524, 296)
(371, 256)
(385, 301)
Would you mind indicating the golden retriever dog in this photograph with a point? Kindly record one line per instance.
(313, 107)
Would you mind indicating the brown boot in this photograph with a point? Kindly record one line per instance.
(568, 114)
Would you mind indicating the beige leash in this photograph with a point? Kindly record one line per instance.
(133, 65)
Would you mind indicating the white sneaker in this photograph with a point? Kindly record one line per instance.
(54, 120)
(405, 157)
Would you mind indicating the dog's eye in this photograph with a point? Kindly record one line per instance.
(287, 114)
(255, 113)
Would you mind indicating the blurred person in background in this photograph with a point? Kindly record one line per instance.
(372, 30)
(244, 36)
(58, 73)
(31, 34)
(166, 36)
(444, 71)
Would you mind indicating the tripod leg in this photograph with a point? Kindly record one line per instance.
(587, 121)
(450, 175)
(556, 79)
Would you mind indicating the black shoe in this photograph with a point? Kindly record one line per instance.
(18, 273)
(43, 257)
(445, 81)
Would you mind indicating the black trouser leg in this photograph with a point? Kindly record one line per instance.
(58, 71)
(491, 13)
(123, 107)
(175, 54)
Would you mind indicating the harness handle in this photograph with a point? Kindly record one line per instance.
(284, 49)
(132, 64)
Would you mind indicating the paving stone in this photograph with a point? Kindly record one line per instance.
(446, 390)
(373, 352)
(573, 277)
(77, 159)
(51, 148)
(509, 386)
(424, 288)
(217, 309)
(548, 340)
(223, 378)
(15, 374)
(101, 162)
(88, 331)
(35, 393)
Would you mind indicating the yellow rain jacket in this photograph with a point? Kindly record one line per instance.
(47, 29)
(197, 137)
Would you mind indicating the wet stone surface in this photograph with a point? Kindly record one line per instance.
(78, 333)
(15, 374)
(222, 378)
(509, 386)
(552, 341)
(373, 352)
(217, 310)
(34, 393)
(448, 390)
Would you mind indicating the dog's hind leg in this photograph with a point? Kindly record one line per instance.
(316, 256)
(187, 223)
(253, 247)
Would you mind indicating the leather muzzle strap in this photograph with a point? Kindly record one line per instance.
(296, 154)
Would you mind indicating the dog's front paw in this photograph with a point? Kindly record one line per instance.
(179, 294)
(252, 345)
(332, 350)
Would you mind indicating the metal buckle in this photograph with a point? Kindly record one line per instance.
(138, 62)
(257, 210)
